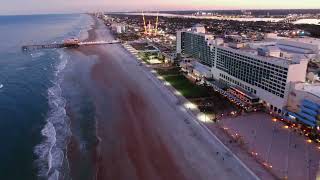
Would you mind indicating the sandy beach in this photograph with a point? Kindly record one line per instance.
(142, 134)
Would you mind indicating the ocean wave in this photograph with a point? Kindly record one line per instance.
(51, 150)
(37, 54)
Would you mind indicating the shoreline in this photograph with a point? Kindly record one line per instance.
(73, 146)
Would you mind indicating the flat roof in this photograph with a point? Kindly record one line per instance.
(201, 68)
(252, 52)
(251, 49)
(307, 40)
(313, 89)
(197, 33)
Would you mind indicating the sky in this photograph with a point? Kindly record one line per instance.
(70, 6)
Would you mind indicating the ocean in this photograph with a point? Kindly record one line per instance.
(36, 90)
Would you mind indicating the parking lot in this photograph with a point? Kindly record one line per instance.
(281, 149)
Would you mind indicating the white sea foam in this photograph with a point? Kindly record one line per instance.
(56, 131)
(54, 176)
(37, 54)
(1, 86)
(51, 151)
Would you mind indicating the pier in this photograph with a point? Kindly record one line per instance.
(70, 43)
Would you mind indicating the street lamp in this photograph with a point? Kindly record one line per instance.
(253, 138)
(270, 146)
(308, 161)
(287, 159)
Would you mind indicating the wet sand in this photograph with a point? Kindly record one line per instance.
(142, 134)
(81, 167)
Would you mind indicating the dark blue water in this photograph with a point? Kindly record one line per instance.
(33, 121)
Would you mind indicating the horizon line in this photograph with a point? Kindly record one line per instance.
(145, 10)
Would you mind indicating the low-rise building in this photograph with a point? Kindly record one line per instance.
(202, 71)
(304, 45)
(304, 104)
(195, 69)
(246, 97)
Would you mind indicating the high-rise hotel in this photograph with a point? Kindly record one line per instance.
(265, 69)
(196, 44)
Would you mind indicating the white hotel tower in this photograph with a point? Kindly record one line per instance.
(265, 69)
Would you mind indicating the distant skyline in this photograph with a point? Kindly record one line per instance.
(71, 6)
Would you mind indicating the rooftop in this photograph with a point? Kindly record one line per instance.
(313, 89)
(307, 40)
(281, 54)
(253, 52)
(201, 68)
(288, 57)
(198, 33)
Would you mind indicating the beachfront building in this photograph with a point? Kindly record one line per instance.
(267, 77)
(257, 69)
(304, 104)
(196, 44)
